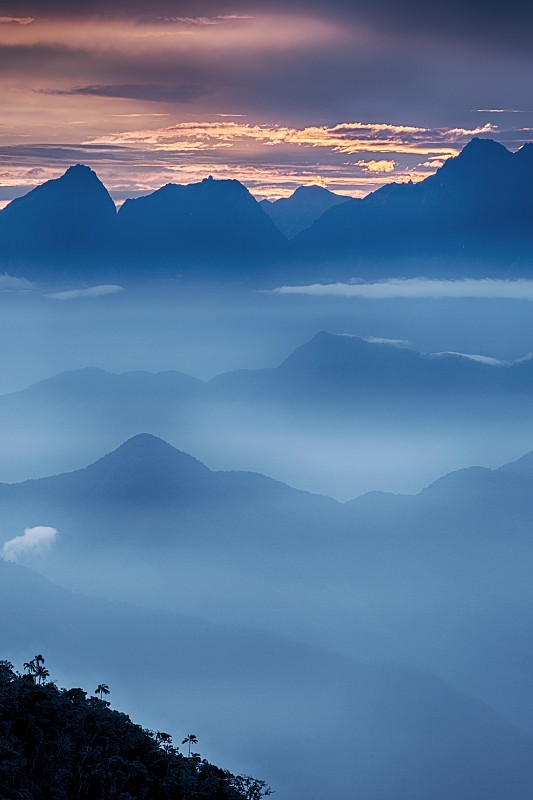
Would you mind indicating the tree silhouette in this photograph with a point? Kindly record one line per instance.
(164, 740)
(102, 689)
(36, 668)
(190, 739)
(251, 788)
(30, 667)
(41, 673)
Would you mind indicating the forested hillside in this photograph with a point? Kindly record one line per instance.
(59, 744)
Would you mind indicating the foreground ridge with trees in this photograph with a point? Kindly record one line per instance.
(59, 744)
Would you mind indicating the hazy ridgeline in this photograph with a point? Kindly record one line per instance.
(294, 633)
(311, 430)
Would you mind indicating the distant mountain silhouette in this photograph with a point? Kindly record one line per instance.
(333, 385)
(148, 482)
(69, 218)
(342, 368)
(305, 205)
(474, 214)
(207, 223)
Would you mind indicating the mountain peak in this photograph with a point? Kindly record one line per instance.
(483, 148)
(147, 446)
(146, 466)
(80, 171)
(311, 188)
(333, 351)
(305, 205)
(70, 217)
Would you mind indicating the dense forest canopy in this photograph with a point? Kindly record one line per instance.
(60, 744)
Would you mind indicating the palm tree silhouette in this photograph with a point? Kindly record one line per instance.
(36, 668)
(190, 739)
(30, 667)
(41, 673)
(102, 689)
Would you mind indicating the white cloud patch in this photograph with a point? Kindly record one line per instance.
(488, 360)
(92, 291)
(488, 288)
(34, 541)
(502, 111)
(10, 284)
(382, 340)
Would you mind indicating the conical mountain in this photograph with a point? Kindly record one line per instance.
(147, 483)
(69, 217)
(305, 205)
(148, 465)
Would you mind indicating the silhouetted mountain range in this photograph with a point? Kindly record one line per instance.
(472, 217)
(306, 204)
(476, 211)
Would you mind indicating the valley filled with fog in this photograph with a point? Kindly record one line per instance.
(195, 560)
(324, 437)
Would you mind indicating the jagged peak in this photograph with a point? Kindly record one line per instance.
(78, 171)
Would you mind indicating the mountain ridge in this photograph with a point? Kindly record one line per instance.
(476, 208)
(473, 216)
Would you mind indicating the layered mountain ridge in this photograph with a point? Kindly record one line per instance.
(474, 216)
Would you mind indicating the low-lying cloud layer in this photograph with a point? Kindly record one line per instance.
(34, 541)
(91, 291)
(488, 288)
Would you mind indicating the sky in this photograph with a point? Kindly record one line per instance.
(349, 94)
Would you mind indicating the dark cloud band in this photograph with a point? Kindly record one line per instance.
(164, 93)
(507, 24)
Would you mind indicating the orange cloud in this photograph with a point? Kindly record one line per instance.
(349, 138)
(382, 166)
(16, 20)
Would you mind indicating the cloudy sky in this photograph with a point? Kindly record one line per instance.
(347, 93)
